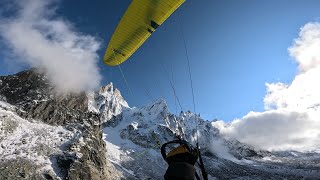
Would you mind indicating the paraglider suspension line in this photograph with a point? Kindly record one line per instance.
(125, 80)
(122, 74)
(190, 77)
(172, 86)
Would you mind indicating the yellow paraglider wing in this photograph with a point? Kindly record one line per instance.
(139, 21)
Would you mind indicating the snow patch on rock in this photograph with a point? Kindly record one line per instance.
(32, 140)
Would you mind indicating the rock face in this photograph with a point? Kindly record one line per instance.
(35, 98)
(84, 156)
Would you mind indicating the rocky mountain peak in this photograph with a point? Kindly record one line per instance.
(158, 108)
(106, 89)
(107, 102)
(24, 86)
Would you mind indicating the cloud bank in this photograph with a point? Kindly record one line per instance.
(37, 36)
(292, 117)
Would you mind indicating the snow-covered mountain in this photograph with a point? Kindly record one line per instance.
(96, 135)
(132, 139)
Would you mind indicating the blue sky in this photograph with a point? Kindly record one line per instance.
(235, 47)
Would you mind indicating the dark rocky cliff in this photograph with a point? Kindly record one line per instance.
(35, 99)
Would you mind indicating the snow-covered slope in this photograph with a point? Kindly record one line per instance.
(45, 135)
(133, 139)
(31, 141)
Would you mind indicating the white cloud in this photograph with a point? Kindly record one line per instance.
(306, 48)
(276, 130)
(220, 149)
(40, 39)
(291, 120)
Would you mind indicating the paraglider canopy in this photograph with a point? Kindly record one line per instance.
(140, 20)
